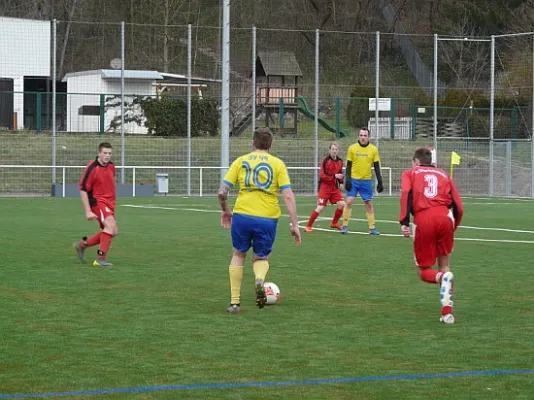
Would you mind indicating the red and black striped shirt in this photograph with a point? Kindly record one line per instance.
(99, 183)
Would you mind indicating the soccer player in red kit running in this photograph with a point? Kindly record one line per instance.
(97, 192)
(430, 195)
(331, 176)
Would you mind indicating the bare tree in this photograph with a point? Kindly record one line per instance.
(71, 12)
(465, 58)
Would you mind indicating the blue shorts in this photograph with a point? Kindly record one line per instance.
(252, 231)
(362, 186)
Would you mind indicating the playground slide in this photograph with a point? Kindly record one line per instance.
(305, 109)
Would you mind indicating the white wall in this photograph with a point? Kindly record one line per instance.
(24, 47)
(95, 85)
(24, 51)
(78, 88)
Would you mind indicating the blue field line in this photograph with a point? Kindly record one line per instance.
(270, 384)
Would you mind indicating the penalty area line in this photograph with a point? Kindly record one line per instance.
(302, 224)
(479, 228)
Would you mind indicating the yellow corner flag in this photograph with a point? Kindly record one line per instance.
(455, 160)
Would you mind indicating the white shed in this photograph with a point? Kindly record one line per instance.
(24, 52)
(90, 93)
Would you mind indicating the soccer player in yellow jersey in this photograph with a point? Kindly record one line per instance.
(361, 157)
(253, 221)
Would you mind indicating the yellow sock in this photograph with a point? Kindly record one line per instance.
(260, 268)
(346, 216)
(236, 277)
(371, 220)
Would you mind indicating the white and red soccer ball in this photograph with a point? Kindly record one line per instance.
(272, 291)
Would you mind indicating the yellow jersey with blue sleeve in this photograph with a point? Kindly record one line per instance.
(362, 158)
(260, 176)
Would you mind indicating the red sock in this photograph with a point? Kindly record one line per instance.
(446, 310)
(92, 241)
(105, 242)
(428, 275)
(337, 216)
(313, 217)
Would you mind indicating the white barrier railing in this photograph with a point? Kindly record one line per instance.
(134, 169)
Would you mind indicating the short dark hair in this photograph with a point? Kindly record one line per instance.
(366, 129)
(424, 155)
(262, 139)
(104, 145)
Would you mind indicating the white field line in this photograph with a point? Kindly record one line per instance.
(303, 222)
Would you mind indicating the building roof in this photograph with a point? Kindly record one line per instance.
(116, 74)
(282, 63)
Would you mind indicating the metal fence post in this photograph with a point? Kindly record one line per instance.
(225, 90)
(492, 111)
(54, 133)
(377, 86)
(316, 119)
(435, 130)
(532, 130)
(123, 160)
(189, 72)
(254, 56)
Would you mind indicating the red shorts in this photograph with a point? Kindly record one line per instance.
(433, 236)
(102, 212)
(332, 195)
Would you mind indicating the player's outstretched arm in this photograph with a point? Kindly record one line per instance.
(291, 204)
(226, 214)
(87, 208)
(457, 205)
(378, 173)
(405, 201)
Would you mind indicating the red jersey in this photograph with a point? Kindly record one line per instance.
(428, 187)
(329, 168)
(99, 183)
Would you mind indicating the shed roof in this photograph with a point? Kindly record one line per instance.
(116, 74)
(282, 63)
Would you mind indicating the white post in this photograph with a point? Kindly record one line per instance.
(133, 181)
(189, 72)
(200, 178)
(316, 119)
(508, 179)
(122, 101)
(225, 91)
(492, 111)
(63, 179)
(390, 183)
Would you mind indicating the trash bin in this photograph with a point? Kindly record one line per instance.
(162, 183)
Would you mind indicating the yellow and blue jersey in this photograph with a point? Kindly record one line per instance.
(261, 176)
(362, 158)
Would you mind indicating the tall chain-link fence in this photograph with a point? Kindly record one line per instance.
(154, 92)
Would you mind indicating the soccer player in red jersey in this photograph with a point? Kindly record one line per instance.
(430, 195)
(97, 192)
(331, 176)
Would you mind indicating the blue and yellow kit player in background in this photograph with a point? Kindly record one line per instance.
(361, 156)
(261, 176)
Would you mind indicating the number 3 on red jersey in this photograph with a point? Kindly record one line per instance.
(431, 189)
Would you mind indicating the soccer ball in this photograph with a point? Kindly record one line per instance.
(273, 293)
